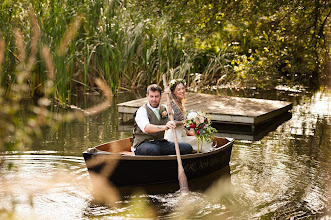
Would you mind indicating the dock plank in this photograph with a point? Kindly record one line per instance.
(223, 108)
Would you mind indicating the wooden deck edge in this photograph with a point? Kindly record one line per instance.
(127, 110)
(270, 115)
(232, 119)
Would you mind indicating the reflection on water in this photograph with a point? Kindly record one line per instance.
(285, 174)
(73, 138)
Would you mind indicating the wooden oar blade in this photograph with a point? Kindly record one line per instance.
(183, 185)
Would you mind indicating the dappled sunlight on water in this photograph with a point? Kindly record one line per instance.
(44, 186)
(285, 174)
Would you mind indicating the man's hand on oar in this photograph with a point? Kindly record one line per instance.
(171, 124)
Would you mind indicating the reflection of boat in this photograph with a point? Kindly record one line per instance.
(200, 184)
(114, 161)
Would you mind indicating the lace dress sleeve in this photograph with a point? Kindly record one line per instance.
(178, 114)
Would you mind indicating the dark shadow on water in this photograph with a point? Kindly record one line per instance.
(246, 132)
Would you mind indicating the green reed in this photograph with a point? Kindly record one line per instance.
(91, 39)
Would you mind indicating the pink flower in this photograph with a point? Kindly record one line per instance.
(198, 132)
(164, 114)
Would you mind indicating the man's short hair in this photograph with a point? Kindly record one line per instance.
(154, 87)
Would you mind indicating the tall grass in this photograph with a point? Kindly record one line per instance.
(111, 41)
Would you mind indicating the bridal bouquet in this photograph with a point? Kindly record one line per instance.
(201, 123)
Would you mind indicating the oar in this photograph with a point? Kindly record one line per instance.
(181, 174)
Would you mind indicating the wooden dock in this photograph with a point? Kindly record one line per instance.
(232, 110)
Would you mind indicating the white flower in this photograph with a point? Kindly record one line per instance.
(173, 81)
(192, 115)
(202, 119)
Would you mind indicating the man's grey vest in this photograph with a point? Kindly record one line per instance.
(140, 136)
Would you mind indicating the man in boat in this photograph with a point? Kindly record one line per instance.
(150, 122)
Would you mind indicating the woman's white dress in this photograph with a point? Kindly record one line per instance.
(181, 132)
(192, 140)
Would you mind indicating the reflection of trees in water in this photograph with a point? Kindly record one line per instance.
(309, 145)
(77, 136)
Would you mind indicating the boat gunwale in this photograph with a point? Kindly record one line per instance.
(124, 156)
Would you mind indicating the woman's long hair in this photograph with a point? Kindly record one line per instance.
(179, 102)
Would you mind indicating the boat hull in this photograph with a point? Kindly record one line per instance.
(147, 170)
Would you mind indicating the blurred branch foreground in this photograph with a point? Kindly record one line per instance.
(17, 134)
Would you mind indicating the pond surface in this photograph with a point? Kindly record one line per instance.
(282, 175)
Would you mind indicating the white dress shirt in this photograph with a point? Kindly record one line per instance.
(142, 117)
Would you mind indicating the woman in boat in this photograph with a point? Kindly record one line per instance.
(150, 125)
(177, 90)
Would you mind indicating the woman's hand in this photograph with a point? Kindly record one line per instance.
(167, 90)
(190, 132)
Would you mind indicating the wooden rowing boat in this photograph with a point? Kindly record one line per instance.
(114, 161)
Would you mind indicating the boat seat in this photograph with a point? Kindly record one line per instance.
(127, 153)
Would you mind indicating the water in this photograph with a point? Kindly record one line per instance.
(283, 175)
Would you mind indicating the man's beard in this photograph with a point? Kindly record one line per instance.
(154, 105)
